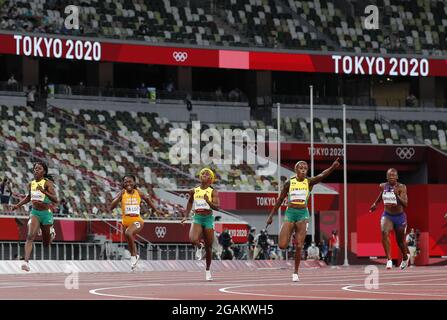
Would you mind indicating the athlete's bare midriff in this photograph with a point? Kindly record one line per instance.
(41, 206)
(394, 209)
(203, 213)
(297, 206)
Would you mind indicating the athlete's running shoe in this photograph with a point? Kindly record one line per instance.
(133, 261)
(389, 264)
(208, 276)
(295, 277)
(405, 263)
(25, 266)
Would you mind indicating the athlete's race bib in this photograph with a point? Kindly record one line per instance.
(389, 197)
(132, 210)
(298, 195)
(201, 204)
(37, 196)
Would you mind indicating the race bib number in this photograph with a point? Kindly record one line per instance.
(37, 196)
(201, 204)
(389, 197)
(132, 210)
(298, 195)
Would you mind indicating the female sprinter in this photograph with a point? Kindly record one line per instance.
(130, 198)
(41, 193)
(296, 218)
(394, 196)
(205, 200)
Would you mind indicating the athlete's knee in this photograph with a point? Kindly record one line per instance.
(128, 233)
(299, 245)
(30, 237)
(385, 234)
(283, 245)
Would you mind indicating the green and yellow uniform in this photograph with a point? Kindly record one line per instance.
(45, 216)
(298, 194)
(203, 213)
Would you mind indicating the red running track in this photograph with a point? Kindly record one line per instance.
(319, 283)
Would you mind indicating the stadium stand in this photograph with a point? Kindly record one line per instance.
(89, 161)
(412, 27)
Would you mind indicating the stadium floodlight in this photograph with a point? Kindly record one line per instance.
(345, 188)
(278, 150)
(312, 210)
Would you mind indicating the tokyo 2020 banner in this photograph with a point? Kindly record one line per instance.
(71, 48)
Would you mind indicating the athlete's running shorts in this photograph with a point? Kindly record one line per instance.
(45, 216)
(296, 215)
(206, 222)
(399, 220)
(128, 220)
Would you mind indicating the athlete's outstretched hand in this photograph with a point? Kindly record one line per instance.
(14, 207)
(336, 163)
(269, 220)
(183, 220)
(373, 208)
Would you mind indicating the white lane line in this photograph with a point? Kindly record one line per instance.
(228, 290)
(402, 283)
(95, 292)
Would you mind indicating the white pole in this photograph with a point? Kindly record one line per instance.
(345, 187)
(278, 107)
(312, 157)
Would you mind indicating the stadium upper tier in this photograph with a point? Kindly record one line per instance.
(404, 26)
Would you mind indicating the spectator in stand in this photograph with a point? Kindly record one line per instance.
(313, 253)
(219, 94)
(235, 95)
(169, 86)
(411, 100)
(5, 191)
(81, 88)
(12, 83)
(142, 90)
(334, 247)
(412, 246)
(30, 97)
(63, 208)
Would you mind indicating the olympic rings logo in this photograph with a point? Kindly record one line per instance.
(160, 232)
(180, 56)
(405, 153)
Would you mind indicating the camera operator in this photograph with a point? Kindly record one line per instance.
(262, 246)
(226, 242)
